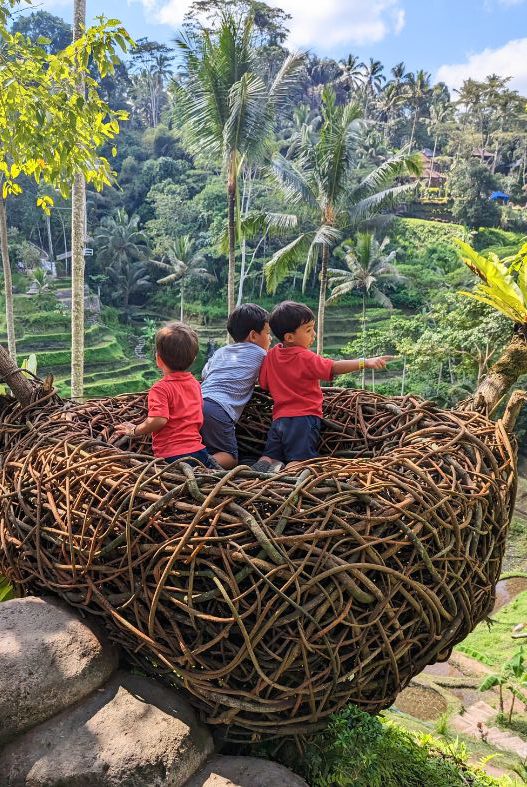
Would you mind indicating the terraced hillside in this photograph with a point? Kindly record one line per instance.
(108, 368)
(343, 323)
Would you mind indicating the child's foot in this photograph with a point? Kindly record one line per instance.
(265, 466)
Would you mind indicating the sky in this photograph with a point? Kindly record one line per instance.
(451, 39)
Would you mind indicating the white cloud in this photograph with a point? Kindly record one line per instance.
(320, 24)
(507, 60)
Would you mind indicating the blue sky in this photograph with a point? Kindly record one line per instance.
(452, 39)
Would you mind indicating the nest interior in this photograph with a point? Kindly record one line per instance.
(271, 600)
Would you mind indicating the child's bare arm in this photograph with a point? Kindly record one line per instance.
(148, 426)
(354, 365)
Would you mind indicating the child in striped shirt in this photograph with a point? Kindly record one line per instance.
(228, 380)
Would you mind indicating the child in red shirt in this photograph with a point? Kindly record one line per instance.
(291, 372)
(175, 406)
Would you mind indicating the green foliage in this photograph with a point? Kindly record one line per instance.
(471, 184)
(487, 237)
(48, 131)
(6, 591)
(498, 287)
(357, 750)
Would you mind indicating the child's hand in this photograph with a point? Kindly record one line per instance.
(379, 362)
(127, 428)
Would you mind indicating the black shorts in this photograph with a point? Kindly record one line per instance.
(293, 439)
(219, 430)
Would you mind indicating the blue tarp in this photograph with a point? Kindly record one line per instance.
(499, 195)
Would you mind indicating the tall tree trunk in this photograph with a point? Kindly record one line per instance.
(239, 299)
(245, 207)
(20, 386)
(65, 242)
(363, 380)
(231, 219)
(78, 224)
(413, 129)
(8, 282)
(182, 304)
(403, 380)
(50, 240)
(322, 299)
(504, 373)
(432, 162)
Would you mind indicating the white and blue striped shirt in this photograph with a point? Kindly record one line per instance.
(230, 375)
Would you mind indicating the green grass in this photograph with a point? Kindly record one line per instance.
(495, 642)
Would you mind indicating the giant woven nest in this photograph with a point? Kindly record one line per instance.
(271, 600)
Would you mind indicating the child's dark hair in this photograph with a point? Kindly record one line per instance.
(287, 316)
(246, 318)
(177, 345)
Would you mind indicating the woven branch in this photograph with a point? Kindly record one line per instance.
(272, 601)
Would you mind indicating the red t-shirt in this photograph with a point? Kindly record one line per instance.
(177, 397)
(292, 376)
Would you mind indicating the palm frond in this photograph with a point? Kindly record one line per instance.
(171, 279)
(265, 222)
(381, 298)
(327, 235)
(249, 122)
(311, 263)
(286, 79)
(341, 288)
(294, 177)
(385, 174)
(286, 260)
(389, 198)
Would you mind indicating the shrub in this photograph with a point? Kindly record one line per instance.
(413, 236)
(487, 237)
(53, 359)
(363, 751)
(54, 320)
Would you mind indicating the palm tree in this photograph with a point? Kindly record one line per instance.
(393, 94)
(124, 248)
(227, 108)
(418, 88)
(181, 264)
(39, 279)
(78, 237)
(370, 272)
(440, 114)
(352, 71)
(324, 178)
(119, 238)
(129, 278)
(372, 81)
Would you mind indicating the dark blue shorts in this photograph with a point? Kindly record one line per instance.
(293, 439)
(201, 456)
(219, 430)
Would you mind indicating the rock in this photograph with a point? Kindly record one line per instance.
(49, 659)
(244, 772)
(132, 733)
